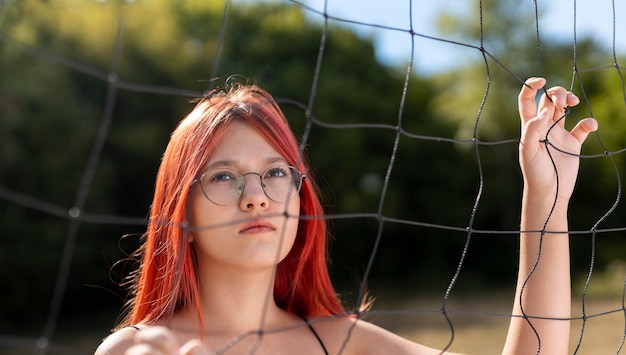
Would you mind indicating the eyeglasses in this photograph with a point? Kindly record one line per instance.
(224, 186)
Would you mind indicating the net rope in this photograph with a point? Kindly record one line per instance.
(77, 215)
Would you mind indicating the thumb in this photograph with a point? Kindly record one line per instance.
(583, 128)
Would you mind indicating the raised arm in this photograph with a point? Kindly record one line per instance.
(548, 156)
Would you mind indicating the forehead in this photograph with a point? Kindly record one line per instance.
(242, 144)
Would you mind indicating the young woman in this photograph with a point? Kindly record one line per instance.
(234, 258)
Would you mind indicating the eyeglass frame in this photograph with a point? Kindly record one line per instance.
(297, 188)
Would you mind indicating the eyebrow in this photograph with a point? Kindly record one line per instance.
(229, 163)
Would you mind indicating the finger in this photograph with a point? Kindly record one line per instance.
(526, 99)
(193, 347)
(562, 98)
(583, 128)
(558, 97)
(159, 338)
(534, 130)
(572, 99)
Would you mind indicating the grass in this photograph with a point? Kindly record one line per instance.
(480, 325)
(480, 322)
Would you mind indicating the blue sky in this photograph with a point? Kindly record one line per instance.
(594, 18)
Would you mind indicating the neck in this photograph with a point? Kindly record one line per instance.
(237, 301)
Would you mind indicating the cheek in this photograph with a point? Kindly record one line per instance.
(293, 220)
(195, 207)
(289, 237)
(293, 210)
(201, 212)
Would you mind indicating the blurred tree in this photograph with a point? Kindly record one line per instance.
(51, 113)
(486, 88)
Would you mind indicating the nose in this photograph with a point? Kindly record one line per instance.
(253, 195)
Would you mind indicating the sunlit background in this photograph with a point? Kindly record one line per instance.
(90, 91)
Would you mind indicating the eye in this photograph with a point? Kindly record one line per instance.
(221, 176)
(277, 172)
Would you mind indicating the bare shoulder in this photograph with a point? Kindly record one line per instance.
(353, 336)
(117, 342)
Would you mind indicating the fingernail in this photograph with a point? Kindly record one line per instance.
(571, 96)
(592, 125)
(532, 80)
(533, 83)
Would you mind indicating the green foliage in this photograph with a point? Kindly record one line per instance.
(460, 92)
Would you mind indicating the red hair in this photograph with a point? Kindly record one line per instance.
(167, 279)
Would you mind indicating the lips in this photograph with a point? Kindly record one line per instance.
(257, 226)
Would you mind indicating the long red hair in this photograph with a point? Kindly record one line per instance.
(167, 279)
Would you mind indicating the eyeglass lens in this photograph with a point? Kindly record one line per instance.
(225, 186)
